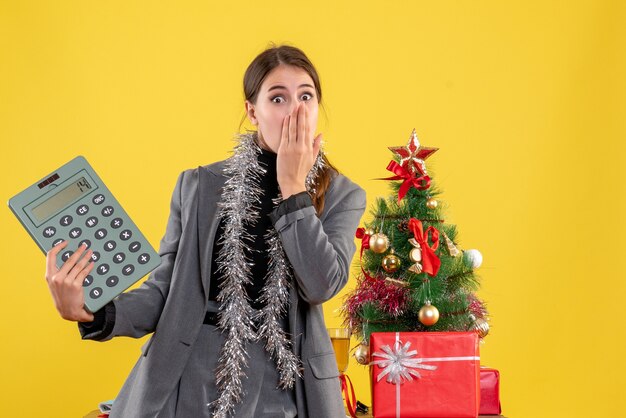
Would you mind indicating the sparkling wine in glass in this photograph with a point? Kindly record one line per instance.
(340, 337)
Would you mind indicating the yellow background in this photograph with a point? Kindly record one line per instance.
(525, 99)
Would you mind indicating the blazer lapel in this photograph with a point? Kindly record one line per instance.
(210, 183)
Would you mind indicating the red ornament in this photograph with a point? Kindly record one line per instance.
(430, 261)
(420, 183)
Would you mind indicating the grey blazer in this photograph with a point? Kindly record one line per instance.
(173, 300)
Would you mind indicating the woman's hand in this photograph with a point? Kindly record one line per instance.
(66, 283)
(297, 151)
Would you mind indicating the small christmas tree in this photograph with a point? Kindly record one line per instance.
(414, 276)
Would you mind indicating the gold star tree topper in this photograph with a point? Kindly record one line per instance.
(413, 154)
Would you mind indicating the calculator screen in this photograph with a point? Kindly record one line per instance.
(61, 199)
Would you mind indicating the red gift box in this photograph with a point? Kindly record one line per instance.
(490, 392)
(425, 374)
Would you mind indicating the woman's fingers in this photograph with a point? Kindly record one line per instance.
(302, 139)
(284, 135)
(80, 276)
(51, 259)
(85, 316)
(70, 262)
(79, 266)
(293, 126)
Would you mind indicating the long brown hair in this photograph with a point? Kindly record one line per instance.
(255, 74)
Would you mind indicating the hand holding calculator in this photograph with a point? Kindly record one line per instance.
(73, 205)
(66, 283)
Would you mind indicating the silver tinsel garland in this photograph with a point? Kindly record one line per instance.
(239, 205)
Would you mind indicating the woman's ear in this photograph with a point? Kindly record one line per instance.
(250, 111)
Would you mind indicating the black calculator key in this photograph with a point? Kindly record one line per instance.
(119, 257)
(109, 245)
(98, 199)
(134, 246)
(116, 223)
(57, 242)
(102, 268)
(66, 255)
(126, 234)
(49, 232)
(95, 256)
(66, 220)
(112, 281)
(85, 241)
(91, 222)
(95, 293)
(82, 210)
(101, 233)
(88, 281)
(143, 258)
(128, 269)
(107, 211)
(76, 232)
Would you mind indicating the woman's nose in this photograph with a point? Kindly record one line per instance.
(293, 106)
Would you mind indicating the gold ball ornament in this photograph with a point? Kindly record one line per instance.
(391, 262)
(431, 203)
(481, 326)
(362, 354)
(370, 232)
(379, 243)
(428, 315)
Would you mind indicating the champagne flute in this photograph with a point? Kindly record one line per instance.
(340, 338)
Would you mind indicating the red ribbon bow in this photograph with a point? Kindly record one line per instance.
(365, 239)
(430, 261)
(420, 183)
(365, 244)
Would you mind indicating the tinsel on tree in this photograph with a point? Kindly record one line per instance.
(414, 275)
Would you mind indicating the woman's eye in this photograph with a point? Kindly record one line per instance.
(309, 95)
(273, 99)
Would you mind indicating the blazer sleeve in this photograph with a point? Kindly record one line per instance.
(135, 313)
(320, 252)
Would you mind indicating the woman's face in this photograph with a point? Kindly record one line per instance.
(283, 88)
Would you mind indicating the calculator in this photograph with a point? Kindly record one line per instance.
(73, 204)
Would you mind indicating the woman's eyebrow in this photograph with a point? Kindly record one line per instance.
(278, 86)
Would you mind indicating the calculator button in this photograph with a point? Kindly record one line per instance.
(107, 211)
(119, 257)
(101, 233)
(49, 232)
(88, 281)
(128, 269)
(85, 241)
(66, 220)
(116, 223)
(66, 255)
(125, 235)
(82, 210)
(98, 199)
(95, 256)
(91, 222)
(102, 268)
(143, 258)
(109, 245)
(112, 281)
(134, 247)
(95, 293)
(75, 232)
(57, 242)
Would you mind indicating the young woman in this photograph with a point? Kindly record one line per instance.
(253, 246)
